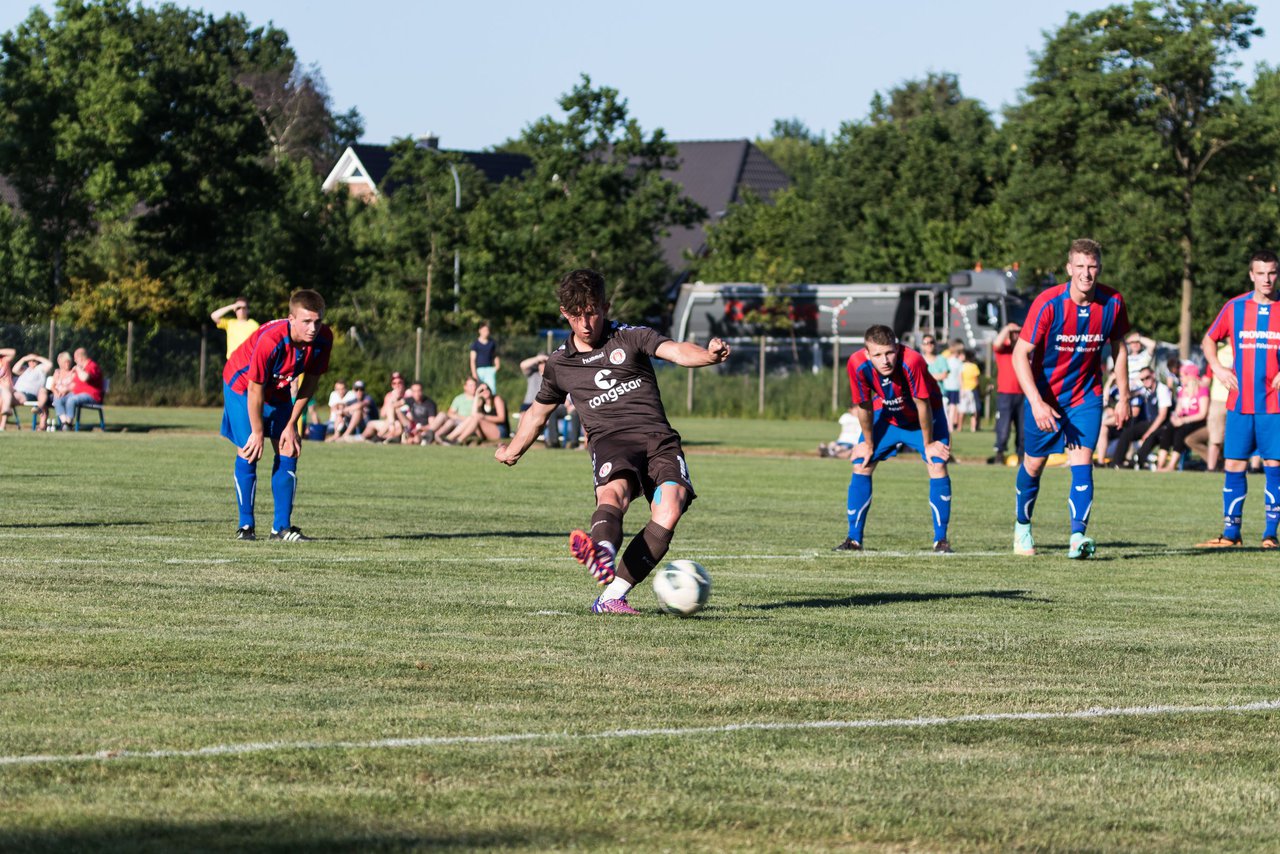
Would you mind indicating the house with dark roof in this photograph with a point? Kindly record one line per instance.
(715, 174)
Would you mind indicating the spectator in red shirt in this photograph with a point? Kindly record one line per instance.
(1009, 396)
(86, 387)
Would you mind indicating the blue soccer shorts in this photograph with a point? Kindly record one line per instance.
(1078, 427)
(1247, 435)
(888, 438)
(235, 417)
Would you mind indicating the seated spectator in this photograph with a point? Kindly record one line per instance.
(6, 386)
(1155, 401)
(339, 399)
(487, 421)
(1189, 414)
(358, 412)
(459, 408)
(87, 386)
(420, 409)
(391, 422)
(558, 429)
(63, 384)
(31, 386)
(850, 435)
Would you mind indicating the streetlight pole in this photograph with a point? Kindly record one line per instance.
(432, 143)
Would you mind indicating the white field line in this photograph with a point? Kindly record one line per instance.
(673, 732)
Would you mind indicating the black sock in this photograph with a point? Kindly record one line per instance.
(606, 526)
(646, 549)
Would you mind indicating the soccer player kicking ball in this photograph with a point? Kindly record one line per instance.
(257, 405)
(1252, 324)
(605, 366)
(908, 411)
(1059, 365)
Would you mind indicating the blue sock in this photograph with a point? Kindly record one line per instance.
(1081, 499)
(1273, 500)
(940, 504)
(1027, 488)
(284, 483)
(859, 503)
(245, 475)
(1234, 489)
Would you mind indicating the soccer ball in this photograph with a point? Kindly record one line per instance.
(682, 588)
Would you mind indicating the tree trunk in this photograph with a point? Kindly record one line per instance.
(1188, 282)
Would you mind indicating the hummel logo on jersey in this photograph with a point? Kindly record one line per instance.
(603, 380)
(589, 359)
(1081, 488)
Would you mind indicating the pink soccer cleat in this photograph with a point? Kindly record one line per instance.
(595, 557)
(612, 606)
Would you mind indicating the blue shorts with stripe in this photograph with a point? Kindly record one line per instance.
(1078, 427)
(887, 438)
(235, 417)
(1247, 435)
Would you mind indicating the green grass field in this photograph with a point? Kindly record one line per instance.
(428, 676)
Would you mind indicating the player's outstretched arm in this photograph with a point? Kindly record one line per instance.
(686, 354)
(532, 420)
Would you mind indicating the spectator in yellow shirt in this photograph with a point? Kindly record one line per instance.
(969, 374)
(239, 327)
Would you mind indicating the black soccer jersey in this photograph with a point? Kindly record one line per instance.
(612, 386)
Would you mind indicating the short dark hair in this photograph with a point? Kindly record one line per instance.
(880, 334)
(308, 300)
(1266, 256)
(1085, 246)
(581, 289)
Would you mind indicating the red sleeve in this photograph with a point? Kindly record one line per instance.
(1041, 315)
(1221, 326)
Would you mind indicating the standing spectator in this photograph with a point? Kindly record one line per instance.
(1189, 413)
(87, 386)
(257, 407)
(1059, 366)
(239, 327)
(32, 385)
(484, 359)
(936, 361)
(1009, 397)
(970, 374)
(1253, 408)
(421, 409)
(6, 386)
(952, 383)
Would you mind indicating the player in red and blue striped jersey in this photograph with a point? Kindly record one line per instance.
(898, 403)
(1251, 324)
(1059, 363)
(258, 404)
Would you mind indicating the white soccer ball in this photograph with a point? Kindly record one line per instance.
(682, 587)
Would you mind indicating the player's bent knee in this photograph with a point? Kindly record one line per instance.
(937, 470)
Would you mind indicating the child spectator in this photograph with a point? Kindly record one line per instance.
(850, 435)
(970, 373)
(484, 359)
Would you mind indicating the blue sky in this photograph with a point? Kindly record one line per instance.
(476, 73)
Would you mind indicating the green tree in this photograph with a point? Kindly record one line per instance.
(595, 197)
(1132, 113)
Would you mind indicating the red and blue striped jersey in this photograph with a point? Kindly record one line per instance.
(1254, 332)
(269, 357)
(895, 394)
(1067, 341)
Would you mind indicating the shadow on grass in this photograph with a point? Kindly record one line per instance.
(72, 524)
(470, 535)
(240, 835)
(867, 600)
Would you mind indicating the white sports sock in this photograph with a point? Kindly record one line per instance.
(617, 589)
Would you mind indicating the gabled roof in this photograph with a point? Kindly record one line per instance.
(363, 166)
(714, 174)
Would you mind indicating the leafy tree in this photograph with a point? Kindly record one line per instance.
(595, 197)
(796, 150)
(1131, 115)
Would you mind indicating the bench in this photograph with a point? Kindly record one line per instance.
(102, 419)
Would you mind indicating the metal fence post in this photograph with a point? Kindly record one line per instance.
(128, 354)
(760, 405)
(204, 355)
(53, 337)
(688, 395)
